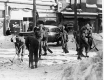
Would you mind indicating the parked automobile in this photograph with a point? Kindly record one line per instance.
(53, 34)
(53, 31)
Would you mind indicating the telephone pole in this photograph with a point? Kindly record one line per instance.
(34, 13)
(6, 23)
(75, 16)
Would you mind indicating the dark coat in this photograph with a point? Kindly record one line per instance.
(64, 40)
(32, 45)
(31, 42)
(8, 32)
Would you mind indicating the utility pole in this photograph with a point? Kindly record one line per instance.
(5, 18)
(75, 16)
(34, 13)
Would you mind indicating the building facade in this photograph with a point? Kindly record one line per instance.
(14, 12)
(91, 9)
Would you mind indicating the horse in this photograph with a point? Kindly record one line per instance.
(19, 43)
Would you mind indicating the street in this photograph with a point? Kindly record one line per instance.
(57, 57)
(81, 18)
(51, 67)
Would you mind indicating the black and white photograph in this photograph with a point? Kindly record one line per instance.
(51, 40)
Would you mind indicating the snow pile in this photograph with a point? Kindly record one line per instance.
(5, 42)
(1, 30)
(88, 69)
(98, 36)
(2, 37)
(10, 64)
(1, 33)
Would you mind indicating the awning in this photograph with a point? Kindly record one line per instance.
(81, 13)
(20, 6)
(46, 11)
(91, 5)
(30, 7)
(44, 19)
(19, 14)
(38, 2)
(47, 15)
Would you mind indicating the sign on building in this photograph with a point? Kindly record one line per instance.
(59, 6)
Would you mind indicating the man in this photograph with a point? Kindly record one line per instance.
(19, 43)
(90, 39)
(43, 37)
(8, 32)
(64, 39)
(32, 45)
(85, 40)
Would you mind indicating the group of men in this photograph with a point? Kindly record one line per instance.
(36, 43)
(84, 36)
(83, 40)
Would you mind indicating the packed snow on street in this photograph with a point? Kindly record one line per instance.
(55, 66)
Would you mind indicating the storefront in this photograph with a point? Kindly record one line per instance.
(15, 10)
(16, 17)
(18, 12)
(85, 9)
(68, 18)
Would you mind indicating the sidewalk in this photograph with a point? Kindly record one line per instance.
(7, 51)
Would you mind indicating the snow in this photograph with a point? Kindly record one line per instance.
(98, 36)
(55, 66)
